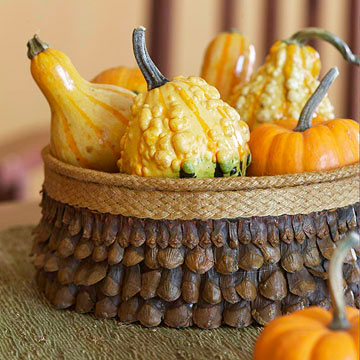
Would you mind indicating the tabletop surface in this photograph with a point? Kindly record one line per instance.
(30, 328)
(19, 213)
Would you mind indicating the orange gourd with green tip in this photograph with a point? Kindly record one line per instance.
(280, 87)
(291, 146)
(228, 61)
(316, 333)
(128, 78)
(87, 120)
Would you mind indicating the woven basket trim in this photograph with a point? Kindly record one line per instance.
(133, 196)
(212, 184)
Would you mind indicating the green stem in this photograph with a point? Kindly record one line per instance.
(152, 74)
(305, 120)
(313, 32)
(339, 321)
(35, 46)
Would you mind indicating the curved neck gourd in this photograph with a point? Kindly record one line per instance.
(87, 120)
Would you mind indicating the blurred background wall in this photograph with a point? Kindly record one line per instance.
(97, 35)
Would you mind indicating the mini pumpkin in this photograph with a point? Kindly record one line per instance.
(280, 87)
(310, 144)
(181, 128)
(315, 333)
(87, 120)
(228, 61)
(128, 78)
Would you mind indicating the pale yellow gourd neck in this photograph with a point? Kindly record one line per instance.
(87, 120)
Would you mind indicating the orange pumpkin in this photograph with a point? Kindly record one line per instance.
(228, 61)
(288, 146)
(315, 333)
(128, 78)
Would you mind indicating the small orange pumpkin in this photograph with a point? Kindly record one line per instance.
(228, 61)
(128, 78)
(315, 333)
(288, 146)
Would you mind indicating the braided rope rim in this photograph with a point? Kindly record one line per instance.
(212, 184)
(214, 198)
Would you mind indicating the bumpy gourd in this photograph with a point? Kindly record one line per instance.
(87, 120)
(181, 128)
(228, 61)
(311, 144)
(316, 333)
(281, 86)
(128, 78)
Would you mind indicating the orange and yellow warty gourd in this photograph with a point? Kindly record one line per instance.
(291, 146)
(316, 333)
(181, 128)
(228, 62)
(87, 120)
(280, 87)
(128, 78)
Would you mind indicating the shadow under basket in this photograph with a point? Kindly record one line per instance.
(193, 251)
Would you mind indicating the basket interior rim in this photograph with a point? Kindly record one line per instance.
(193, 184)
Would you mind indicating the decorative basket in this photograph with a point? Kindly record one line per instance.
(193, 251)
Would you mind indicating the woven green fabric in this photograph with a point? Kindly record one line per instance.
(31, 329)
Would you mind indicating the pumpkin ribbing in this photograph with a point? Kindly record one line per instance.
(288, 146)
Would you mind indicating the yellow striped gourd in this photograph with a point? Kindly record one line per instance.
(87, 120)
(228, 62)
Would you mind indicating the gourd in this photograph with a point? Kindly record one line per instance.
(316, 333)
(310, 144)
(87, 120)
(228, 61)
(181, 128)
(281, 86)
(128, 78)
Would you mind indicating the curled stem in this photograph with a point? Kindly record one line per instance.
(35, 46)
(339, 321)
(313, 32)
(305, 120)
(152, 74)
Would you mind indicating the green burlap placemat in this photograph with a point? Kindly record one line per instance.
(31, 329)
